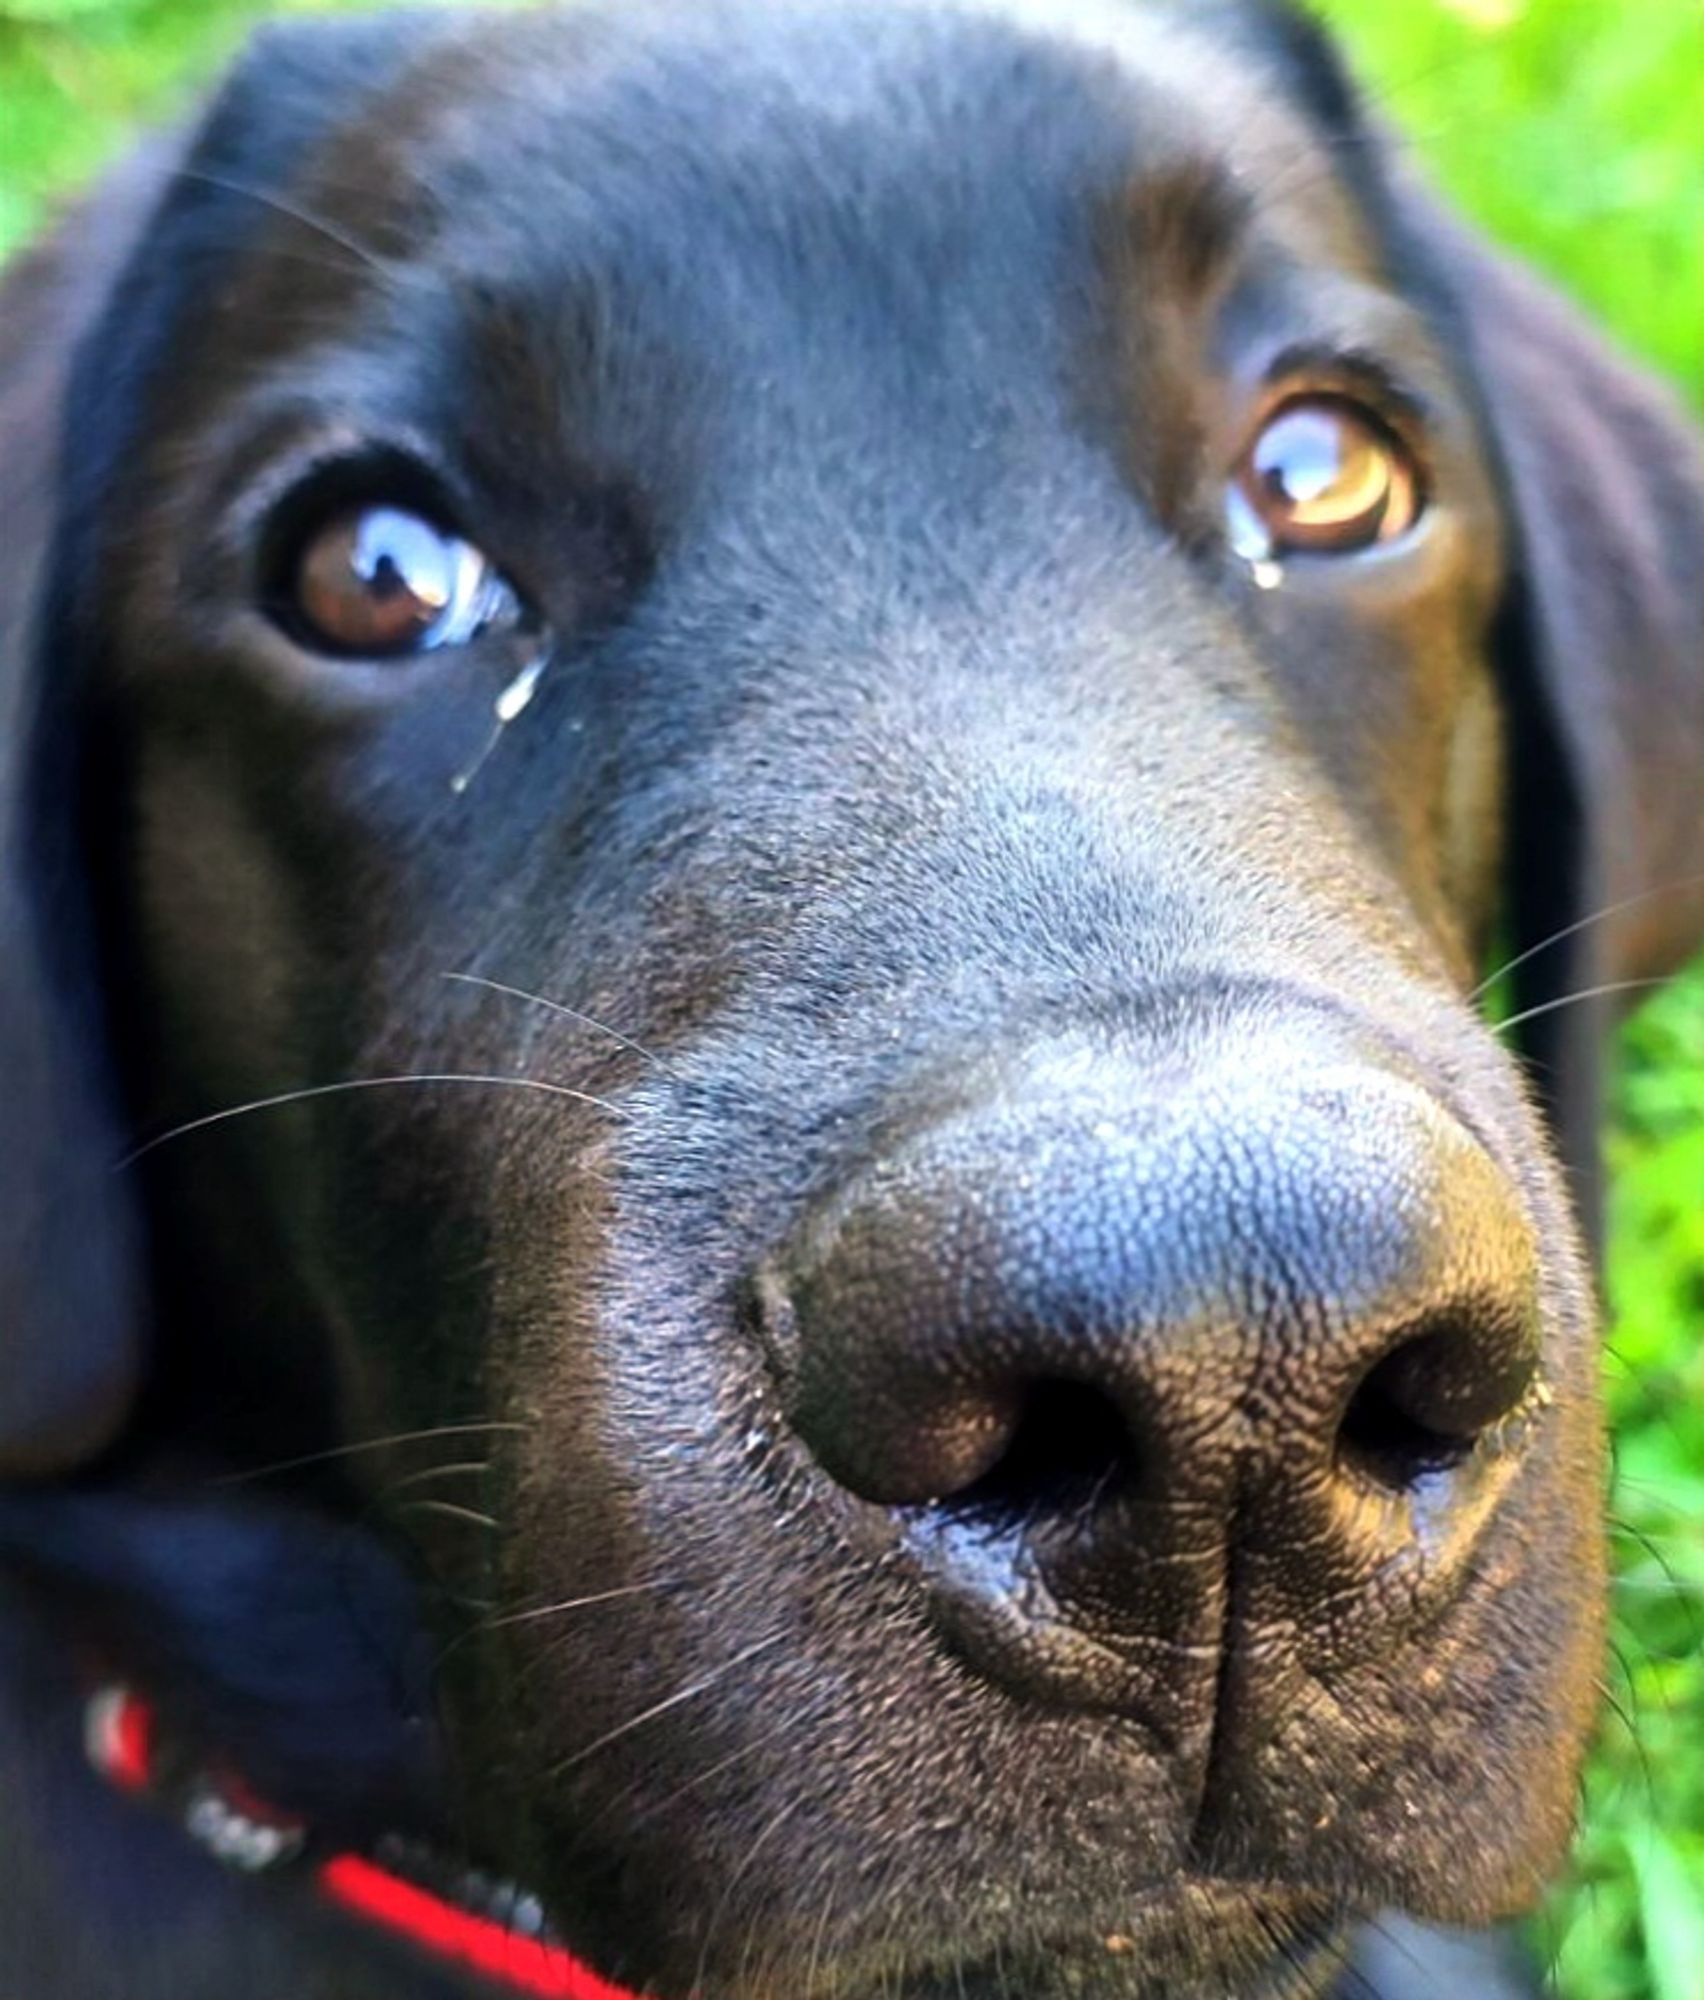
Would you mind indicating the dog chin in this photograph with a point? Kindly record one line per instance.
(1193, 1938)
(848, 1934)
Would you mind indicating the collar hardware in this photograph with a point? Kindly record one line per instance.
(502, 1939)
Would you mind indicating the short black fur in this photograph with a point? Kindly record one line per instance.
(922, 806)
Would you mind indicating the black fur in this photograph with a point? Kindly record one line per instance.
(919, 788)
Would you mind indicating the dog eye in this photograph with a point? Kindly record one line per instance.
(381, 582)
(1325, 475)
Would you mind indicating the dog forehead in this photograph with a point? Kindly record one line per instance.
(732, 259)
(776, 139)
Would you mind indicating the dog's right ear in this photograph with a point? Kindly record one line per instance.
(71, 1293)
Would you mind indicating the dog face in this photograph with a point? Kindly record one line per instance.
(847, 699)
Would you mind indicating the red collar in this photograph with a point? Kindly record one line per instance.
(216, 1810)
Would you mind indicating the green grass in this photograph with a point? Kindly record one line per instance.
(1572, 129)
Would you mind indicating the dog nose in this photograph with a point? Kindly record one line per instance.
(1283, 1312)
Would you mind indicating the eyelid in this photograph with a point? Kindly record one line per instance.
(300, 452)
(285, 440)
(333, 483)
(1311, 368)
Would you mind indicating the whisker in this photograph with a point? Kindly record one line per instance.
(734, 1757)
(448, 1510)
(1339, 1955)
(543, 1611)
(265, 198)
(464, 1469)
(306, 1095)
(555, 1007)
(1661, 1589)
(1630, 1679)
(1372, 138)
(1625, 1717)
(1651, 1542)
(1391, 95)
(714, 1923)
(1648, 1405)
(1578, 999)
(1584, 923)
(367, 1445)
(537, 1614)
(690, 1692)
(819, 1937)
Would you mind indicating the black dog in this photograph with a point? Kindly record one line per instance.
(953, 1362)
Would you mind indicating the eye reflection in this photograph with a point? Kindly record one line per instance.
(383, 582)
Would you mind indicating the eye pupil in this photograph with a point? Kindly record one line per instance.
(382, 582)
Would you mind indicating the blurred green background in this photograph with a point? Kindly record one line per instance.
(1574, 129)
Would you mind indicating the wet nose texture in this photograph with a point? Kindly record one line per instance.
(1130, 1360)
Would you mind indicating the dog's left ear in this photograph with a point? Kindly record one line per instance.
(1600, 648)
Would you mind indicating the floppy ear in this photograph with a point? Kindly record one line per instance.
(70, 1288)
(1601, 650)
(86, 335)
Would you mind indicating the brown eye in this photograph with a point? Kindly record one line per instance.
(381, 583)
(1325, 475)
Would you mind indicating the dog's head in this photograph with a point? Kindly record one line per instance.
(966, 625)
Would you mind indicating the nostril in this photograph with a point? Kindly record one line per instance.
(1070, 1450)
(1425, 1405)
(1387, 1442)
